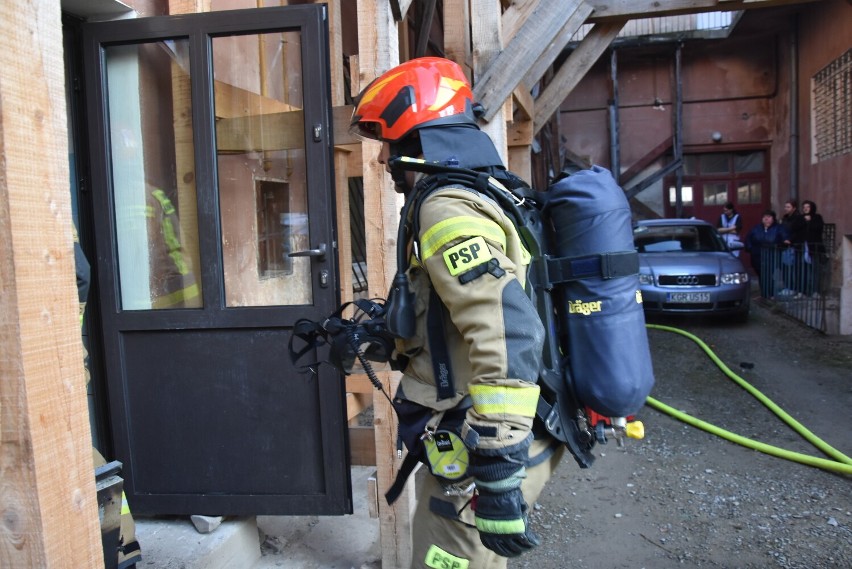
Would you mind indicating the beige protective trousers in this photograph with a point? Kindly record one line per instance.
(440, 542)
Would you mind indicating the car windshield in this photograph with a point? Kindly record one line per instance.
(674, 238)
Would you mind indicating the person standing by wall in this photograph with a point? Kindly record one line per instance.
(813, 249)
(791, 265)
(730, 225)
(762, 243)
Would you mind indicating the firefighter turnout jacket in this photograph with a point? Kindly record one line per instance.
(471, 257)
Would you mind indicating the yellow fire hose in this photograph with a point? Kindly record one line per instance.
(840, 463)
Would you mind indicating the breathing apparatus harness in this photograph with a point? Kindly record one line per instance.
(369, 336)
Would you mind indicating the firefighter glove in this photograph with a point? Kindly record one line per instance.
(500, 510)
(501, 518)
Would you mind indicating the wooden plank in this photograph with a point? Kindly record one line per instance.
(372, 496)
(344, 231)
(573, 70)
(457, 33)
(353, 162)
(335, 48)
(520, 133)
(487, 39)
(520, 162)
(525, 103)
(515, 15)
(276, 131)
(378, 51)
(362, 446)
(617, 10)
(356, 403)
(359, 383)
(234, 102)
(549, 55)
(495, 85)
(48, 494)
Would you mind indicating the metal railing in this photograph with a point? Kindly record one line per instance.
(798, 281)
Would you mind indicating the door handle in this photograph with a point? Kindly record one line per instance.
(319, 252)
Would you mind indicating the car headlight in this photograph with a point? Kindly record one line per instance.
(646, 279)
(734, 278)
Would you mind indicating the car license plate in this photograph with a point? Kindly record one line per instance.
(687, 297)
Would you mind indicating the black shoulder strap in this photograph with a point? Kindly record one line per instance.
(442, 367)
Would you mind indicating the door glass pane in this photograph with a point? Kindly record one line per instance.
(749, 192)
(715, 163)
(150, 133)
(690, 164)
(715, 193)
(685, 195)
(748, 162)
(260, 144)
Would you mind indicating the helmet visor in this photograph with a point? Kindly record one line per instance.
(366, 130)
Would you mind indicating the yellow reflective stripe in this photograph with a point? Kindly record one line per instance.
(502, 527)
(125, 507)
(165, 202)
(496, 400)
(178, 296)
(461, 226)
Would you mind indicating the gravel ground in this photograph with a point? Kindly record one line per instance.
(683, 497)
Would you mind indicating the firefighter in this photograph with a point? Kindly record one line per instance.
(129, 552)
(470, 269)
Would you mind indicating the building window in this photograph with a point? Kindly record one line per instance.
(831, 109)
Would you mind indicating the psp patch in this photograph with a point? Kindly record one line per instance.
(466, 255)
(437, 558)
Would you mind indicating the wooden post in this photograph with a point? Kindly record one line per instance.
(378, 51)
(47, 477)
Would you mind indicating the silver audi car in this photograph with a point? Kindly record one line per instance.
(685, 267)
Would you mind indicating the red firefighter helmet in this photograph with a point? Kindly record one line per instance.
(427, 91)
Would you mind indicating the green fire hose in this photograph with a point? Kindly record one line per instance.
(839, 462)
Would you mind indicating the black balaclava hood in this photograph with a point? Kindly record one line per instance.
(462, 145)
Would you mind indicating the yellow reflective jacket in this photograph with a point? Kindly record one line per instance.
(472, 256)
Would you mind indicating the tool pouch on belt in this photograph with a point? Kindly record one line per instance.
(433, 438)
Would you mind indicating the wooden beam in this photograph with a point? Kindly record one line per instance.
(362, 449)
(335, 48)
(356, 403)
(457, 33)
(359, 383)
(542, 26)
(277, 131)
(573, 70)
(487, 39)
(515, 15)
(525, 103)
(234, 102)
(548, 56)
(520, 133)
(617, 10)
(378, 51)
(48, 494)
